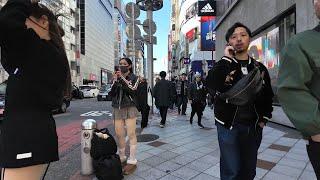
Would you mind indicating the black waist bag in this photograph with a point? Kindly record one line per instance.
(245, 90)
(102, 147)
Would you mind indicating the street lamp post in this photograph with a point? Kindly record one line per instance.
(150, 6)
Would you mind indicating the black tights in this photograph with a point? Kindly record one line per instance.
(196, 108)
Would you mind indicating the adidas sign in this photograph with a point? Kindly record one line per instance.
(207, 9)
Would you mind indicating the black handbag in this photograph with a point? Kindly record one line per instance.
(246, 89)
(102, 147)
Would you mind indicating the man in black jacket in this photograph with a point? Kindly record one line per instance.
(239, 127)
(163, 94)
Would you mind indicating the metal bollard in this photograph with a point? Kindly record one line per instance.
(88, 126)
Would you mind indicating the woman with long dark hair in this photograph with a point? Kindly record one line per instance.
(123, 92)
(33, 54)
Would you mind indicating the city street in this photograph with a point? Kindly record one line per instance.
(282, 143)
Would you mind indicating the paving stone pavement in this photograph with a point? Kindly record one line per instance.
(185, 151)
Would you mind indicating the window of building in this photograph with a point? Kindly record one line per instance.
(82, 26)
(266, 47)
(72, 47)
(72, 30)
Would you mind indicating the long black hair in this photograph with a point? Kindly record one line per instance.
(129, 62)
(55, 30)
(56, 33)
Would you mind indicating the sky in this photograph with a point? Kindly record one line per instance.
(162, 20)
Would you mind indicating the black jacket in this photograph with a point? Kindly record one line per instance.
(38, 72)
(124, 91)
(197, 93)
(225, 113)
(163, 93)
(142, 96)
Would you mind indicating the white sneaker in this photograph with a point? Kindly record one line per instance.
(162, 125)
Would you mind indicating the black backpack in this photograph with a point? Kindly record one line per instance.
(106, 163)
(102, 147)
(108, 167)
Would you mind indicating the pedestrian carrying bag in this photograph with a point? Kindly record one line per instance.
(246, 89)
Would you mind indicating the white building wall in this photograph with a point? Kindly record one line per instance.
(99, 39)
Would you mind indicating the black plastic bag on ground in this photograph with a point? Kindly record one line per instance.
(101, 147)
(108, 168)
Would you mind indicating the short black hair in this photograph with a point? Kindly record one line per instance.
(163, 74)
(233, 28)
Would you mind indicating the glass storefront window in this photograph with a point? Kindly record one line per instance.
(267, 47)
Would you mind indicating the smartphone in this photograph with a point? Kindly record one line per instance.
(232, 52)
(116, 68)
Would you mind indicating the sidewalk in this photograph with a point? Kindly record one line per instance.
(184, 151)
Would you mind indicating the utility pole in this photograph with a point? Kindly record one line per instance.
(150, 28)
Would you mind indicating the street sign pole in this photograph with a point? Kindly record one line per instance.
(150, 55)
(133, 40)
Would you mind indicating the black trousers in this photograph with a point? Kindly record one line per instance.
(163, 113)
(145, 116)
(197, 107)
(182, 100)
(313, 150)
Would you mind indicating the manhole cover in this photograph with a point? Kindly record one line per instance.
(147, 137)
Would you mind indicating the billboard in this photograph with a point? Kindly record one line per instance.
(208, 36)
(207, 8)
(191, 35)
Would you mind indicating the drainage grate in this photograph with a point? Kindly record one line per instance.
(147, 137)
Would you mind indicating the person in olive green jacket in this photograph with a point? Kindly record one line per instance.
(299, 87)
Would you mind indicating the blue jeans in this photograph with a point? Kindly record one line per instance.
(238, 151)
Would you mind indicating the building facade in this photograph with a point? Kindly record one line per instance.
(191, 39)
(120, 43)
(96, 41)
(67, 20)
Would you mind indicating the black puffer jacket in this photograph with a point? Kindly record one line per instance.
(124, 91)
(225, 113)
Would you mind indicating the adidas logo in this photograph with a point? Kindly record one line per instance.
(207, 9)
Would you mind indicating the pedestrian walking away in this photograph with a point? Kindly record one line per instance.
(123, 93)
(182, 94)
(299, 87)
(142, 100)
(197, 96)
(240, 126)
(163, 95)
(33, 54)
(174, 98)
